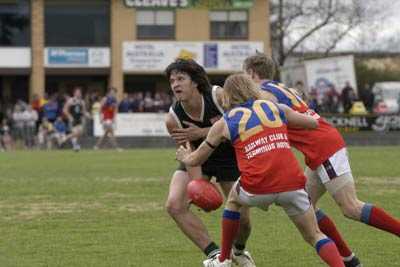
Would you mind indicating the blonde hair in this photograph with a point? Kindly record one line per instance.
(239, 88)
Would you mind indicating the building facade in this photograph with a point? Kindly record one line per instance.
(50, 46)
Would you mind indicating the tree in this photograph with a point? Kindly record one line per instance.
(316, 25)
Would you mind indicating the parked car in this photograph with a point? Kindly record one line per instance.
(387, 97)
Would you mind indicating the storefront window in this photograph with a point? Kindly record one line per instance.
(77, 23)
(155, 24)
(14, 23)
(229, 24)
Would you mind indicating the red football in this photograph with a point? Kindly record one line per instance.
(204, 194)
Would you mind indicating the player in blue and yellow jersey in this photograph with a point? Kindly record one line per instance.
(328, 167)
(269, 170)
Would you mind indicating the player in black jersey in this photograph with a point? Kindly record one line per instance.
(189, 119)
(75, 111)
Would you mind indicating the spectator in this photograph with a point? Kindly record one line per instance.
(301, 90)
(158, 103)
(18, 125)
(312, 101)
(60, 131)
(148, 103)
(332, 98)
(51, 109)
(46, 130)
(167, 101)
(367, 97)
(30, 118)
(125, 106)
(6, 139)
(138, 102)
(348, 96)
(96, 106)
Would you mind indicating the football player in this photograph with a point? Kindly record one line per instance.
(270, 173)
(189, 119)
(328, 167)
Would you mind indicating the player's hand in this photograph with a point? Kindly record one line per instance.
(191, 133)
(183, 152)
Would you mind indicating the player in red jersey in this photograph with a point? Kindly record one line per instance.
(328, 167)
(257, 130)
(108, 112)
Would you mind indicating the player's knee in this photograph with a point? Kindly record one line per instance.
(174, 207)
(351, 210)
(310, 238)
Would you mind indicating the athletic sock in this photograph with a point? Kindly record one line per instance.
(211, 250)
(238, 249)
(327, 226)
(74, 141)
(230, 228)
(329, 253)
(380, 219)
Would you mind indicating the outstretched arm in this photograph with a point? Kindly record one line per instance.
(298, 120)
(216, 135)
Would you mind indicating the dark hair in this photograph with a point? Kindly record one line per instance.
(193, 69)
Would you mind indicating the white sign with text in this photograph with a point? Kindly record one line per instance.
(135, 124)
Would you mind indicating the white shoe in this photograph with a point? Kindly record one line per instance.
(214, 262)
(243, 259)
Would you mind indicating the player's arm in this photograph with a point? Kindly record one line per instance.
(85, 111)
(215, 136)
(66, 109)
(171, 125)
(298, 120)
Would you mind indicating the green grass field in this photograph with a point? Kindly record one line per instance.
(104, 208)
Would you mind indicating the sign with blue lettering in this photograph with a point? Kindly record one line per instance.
(68, 56)
(211, 55)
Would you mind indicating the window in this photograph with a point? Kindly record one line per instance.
(157, 24)
(229, 24)
(15, 23)
(77, 23)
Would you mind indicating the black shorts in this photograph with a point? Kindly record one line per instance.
(221, 173)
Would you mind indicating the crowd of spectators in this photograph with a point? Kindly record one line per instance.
(42, 124)
(329, 99)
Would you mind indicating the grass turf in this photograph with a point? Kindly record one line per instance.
(104, 208)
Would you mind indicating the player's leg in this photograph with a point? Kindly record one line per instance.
(245, 226)
(230, 229)
(78, 129)
(227, 176)
(315, 190)
(177, 206)
(340, 184)
(367, 213)
(301, 212)
(102, 138)
(240, 255)
(113, 140)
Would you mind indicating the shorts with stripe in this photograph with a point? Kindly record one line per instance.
(332, 174)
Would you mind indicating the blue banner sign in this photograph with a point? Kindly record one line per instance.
(68, 56)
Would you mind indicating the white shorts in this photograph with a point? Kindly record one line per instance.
(77, 129)
(108, 125)
(293, 202)
(332, 174)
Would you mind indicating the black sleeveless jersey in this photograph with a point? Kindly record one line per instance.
(224, 154)
(76, 111)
